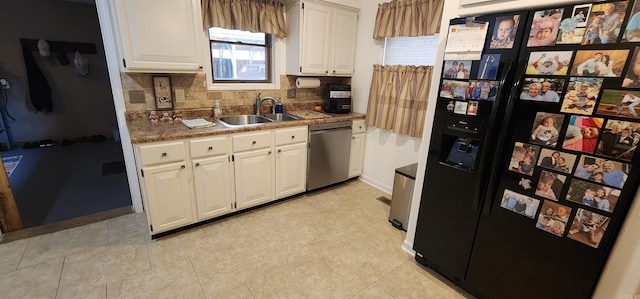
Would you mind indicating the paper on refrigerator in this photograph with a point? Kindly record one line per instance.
(466, 41)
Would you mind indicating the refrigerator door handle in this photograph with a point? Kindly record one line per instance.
(493, 182)
(480, 190)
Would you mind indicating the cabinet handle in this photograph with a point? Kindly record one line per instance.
(360, 127)
(164, 154)
(293, 136)
(254, 142)
(334, 71)
(279, 151)
(211, 148)
(200, 67)
(326, 72)
(197, 164)
(269, 152)
(353, 137)
(183, 167)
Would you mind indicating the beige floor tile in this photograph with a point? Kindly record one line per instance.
(102, 265)
(37, 281)
(302, 281)
(423, 284)
(64, 243)
(128, 226)
(175, 279)
(10, 255)
(241, 292)
(374, 291)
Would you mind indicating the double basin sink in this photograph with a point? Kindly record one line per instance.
(248, 120)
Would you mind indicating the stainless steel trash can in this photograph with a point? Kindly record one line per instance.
(403, 183)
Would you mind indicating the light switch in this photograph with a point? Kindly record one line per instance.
(179, 94)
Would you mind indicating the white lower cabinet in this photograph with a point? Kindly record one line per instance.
(212, 176)
(291, 161)
(213, 184)
(254, 177)
(167, 194)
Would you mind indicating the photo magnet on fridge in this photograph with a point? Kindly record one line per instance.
(632, 30)
(605, 19)
(599, 63)
(553, 218)
(504, 32)
(557, 160)
(523, 158)
(632, 77)
(619, 139)
(582, 134)
(489, 66)
(581, 14)
(603, 171)
(542, 89)
(549, 63)
(453, 89)
(620, 103)
(457, 69)
(593, 195)
(582, 95)
(588, 227)
(545, 27)
(482, 90)
(546, 128)
(550, 185)
(519, 203)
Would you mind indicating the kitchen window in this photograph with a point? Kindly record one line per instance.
(240, 56)
(423, 50)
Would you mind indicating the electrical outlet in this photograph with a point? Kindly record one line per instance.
(136, 96)
(179, 95)
(291, 93)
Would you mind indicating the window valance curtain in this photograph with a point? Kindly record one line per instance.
(249, 15)
(398, 98)
(408, 18)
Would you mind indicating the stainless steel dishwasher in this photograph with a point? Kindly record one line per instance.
(329, 153)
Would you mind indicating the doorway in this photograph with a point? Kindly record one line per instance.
(77, 174)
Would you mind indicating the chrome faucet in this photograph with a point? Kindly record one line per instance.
(260, 101)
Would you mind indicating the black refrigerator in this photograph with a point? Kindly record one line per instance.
(529, 171)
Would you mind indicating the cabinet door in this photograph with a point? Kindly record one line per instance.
(159, 35)
(291, 169)
(168, 196)
(344, 42)
(357, 155)
(254, 177)
(314, 47)
(213, 186)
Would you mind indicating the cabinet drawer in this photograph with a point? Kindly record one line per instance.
(291, 136)
(252, 141)
(162, 153)
(358, 126)
(209, 147)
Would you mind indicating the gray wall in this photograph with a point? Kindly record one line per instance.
(82, 106)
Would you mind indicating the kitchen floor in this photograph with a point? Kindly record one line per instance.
(334, 243)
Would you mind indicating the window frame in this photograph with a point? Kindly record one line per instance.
(268, 60)
(278, 59)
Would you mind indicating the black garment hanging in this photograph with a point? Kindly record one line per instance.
(39, 90)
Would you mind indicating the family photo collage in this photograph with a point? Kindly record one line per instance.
(577, 158)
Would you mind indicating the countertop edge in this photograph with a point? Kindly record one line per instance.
(143, 131)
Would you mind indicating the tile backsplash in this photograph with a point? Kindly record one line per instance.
(196, 95)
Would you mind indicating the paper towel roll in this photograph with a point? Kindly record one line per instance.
(307, 82)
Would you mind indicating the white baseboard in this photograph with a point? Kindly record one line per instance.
(376, 184)
(408, 248)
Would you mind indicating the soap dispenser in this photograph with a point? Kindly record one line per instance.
(217, 112)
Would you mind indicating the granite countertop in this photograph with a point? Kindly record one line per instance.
(142, 130)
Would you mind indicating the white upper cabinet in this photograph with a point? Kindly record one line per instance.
(159, 35)
(321, 39)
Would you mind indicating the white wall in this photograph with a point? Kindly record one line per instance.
(384, 150)
(620, 278)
